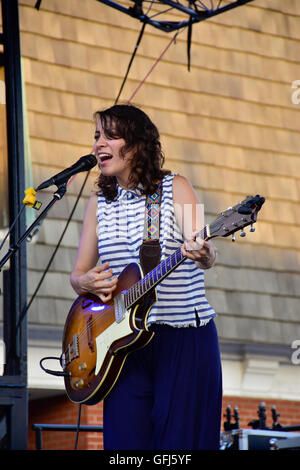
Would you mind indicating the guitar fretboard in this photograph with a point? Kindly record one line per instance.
(154, 277)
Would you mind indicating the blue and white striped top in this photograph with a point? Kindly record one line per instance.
(181, 296)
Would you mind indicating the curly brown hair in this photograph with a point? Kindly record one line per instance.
(140, 134)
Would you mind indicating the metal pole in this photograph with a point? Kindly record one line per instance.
(14, 381)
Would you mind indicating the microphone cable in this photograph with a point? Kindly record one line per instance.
(12, 226)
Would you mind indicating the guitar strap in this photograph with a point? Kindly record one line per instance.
(150, 250)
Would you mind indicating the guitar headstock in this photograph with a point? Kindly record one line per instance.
(237, 217)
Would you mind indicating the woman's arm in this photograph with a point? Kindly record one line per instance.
(86, 277)
(189, 213)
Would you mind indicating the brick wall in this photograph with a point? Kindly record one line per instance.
(59, 410)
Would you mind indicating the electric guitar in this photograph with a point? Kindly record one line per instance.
(98, 336)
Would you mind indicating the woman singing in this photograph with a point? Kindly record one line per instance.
(168, 395)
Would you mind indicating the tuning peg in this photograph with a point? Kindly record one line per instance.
(243, 233)
(233, 237)
(252, 229)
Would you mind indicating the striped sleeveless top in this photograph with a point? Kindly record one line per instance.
(181, 295)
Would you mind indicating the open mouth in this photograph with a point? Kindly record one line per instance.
(104, 156)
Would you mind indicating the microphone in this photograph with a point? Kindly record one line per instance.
(85, 163)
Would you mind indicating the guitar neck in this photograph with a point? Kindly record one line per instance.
(227, 223)
(154, 277)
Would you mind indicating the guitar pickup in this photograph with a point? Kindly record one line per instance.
(120, 309)
(75, 346)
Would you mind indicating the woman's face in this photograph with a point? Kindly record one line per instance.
(110, 160)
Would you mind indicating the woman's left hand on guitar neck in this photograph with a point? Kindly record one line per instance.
(189, 213)
(201, 251)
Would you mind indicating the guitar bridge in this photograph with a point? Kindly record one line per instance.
(71, 352)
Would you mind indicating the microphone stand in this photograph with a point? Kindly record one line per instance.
(61, 191)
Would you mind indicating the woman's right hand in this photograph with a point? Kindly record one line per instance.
(98, 281)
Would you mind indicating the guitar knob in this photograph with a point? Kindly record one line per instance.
(252, 229)
(79, 383)
(82, 366)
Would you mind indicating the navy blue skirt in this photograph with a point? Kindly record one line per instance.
(169, 394)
